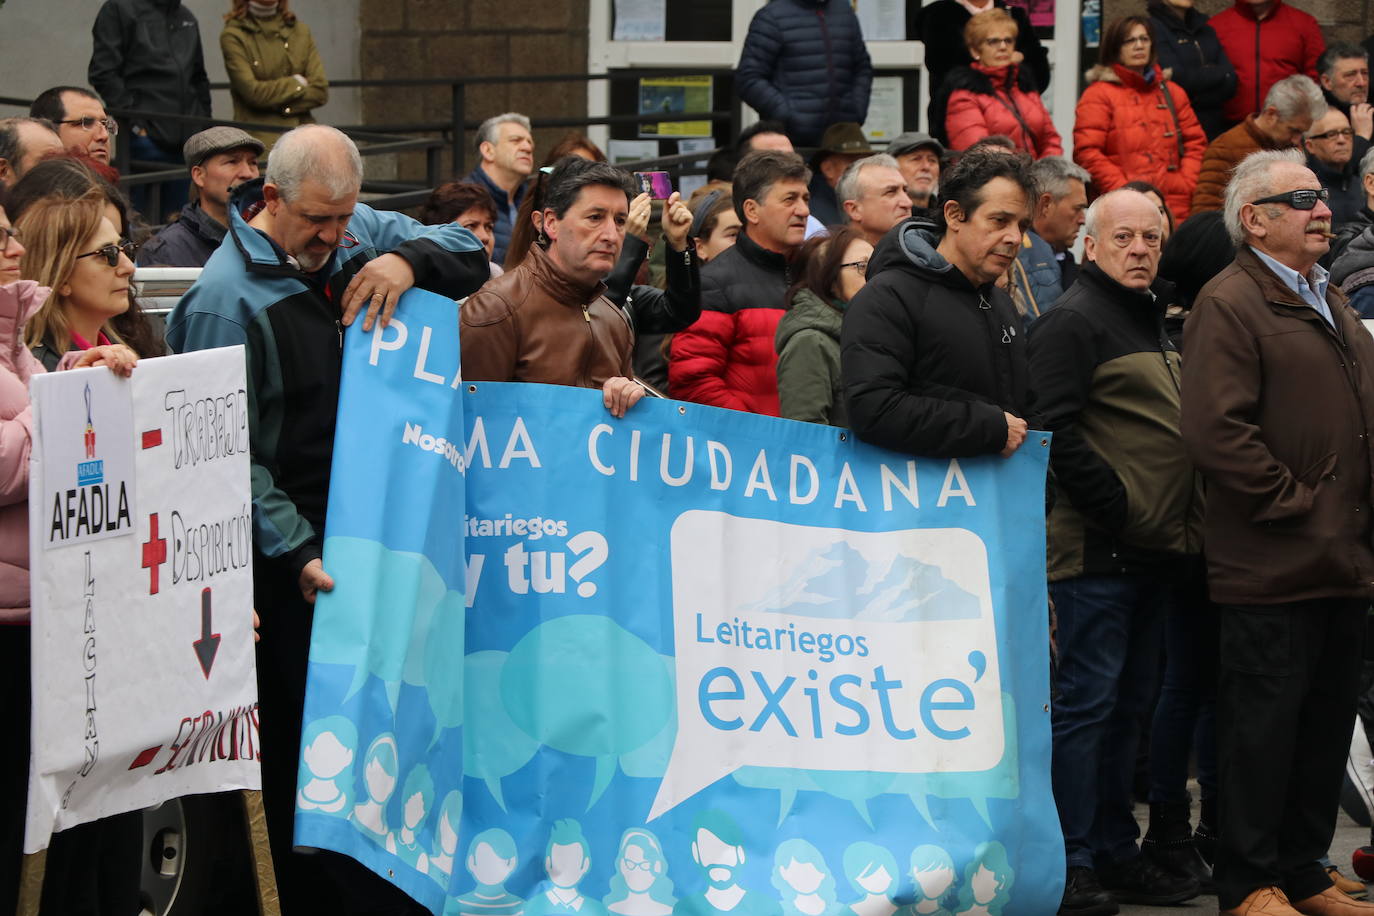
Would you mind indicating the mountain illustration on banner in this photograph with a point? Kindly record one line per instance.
(830, 580)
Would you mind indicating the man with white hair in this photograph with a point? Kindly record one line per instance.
(1290, 108)
(1278, 415)
(285, 288)
(872, 192)
(1125, 527)
(505, 147)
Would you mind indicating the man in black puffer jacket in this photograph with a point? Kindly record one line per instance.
(932, 355)
(805, 64)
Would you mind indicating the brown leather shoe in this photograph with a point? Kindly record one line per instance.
(1332, 902)
(1263, 901)
(1348, 886)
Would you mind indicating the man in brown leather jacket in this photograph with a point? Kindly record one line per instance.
(1277, 414)
(549, 320)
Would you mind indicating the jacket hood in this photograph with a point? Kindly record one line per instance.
(1116, 73)
(18, 303)
(911, 247)
(809, 311)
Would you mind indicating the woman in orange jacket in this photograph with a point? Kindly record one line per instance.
(992, 95)
(1134, 124)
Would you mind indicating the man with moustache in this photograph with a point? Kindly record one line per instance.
(726, 358)
(1278, 418)
(1124, 531)
(932, 354)
(549, 320)
(918, 156)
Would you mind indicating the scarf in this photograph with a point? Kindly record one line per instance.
(262, 9)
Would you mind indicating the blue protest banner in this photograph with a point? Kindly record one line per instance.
(711, 662)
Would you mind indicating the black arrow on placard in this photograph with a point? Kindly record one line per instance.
(208, 644)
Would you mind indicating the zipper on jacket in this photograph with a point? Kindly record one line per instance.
(338, 326)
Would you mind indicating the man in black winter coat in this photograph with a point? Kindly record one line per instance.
(932, 355)
(146, 55)
(1189, 49)
(804, 63)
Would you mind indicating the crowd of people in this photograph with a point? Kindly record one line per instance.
(1210, 562)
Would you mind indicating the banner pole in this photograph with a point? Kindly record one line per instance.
(269, 904)
(31, 873)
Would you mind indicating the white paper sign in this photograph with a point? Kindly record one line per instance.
(640, 20)
(143, 678)
(884, 109)
(881, 20)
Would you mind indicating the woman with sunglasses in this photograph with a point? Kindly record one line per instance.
(76, 251)
(993, 95)
(76, 857)
(832, 270)
(1134, 124)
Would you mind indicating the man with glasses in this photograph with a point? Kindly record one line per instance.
(82, 124)
(1125, 528)
(282, 289)
(1333, 154)
(1277, 415)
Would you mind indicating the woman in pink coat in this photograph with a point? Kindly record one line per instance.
(992, 95)
(19, 300)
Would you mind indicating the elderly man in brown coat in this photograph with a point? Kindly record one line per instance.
(1290, 108)
(1278, 410)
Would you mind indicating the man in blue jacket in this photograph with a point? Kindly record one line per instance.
(284, 286)
(1045, 266)
(805, 64)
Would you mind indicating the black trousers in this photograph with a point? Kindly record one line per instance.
(316, 881)
(1286, 695)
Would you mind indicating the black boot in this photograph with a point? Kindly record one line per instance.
(1169, 844)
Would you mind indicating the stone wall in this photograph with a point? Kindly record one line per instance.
(448, 38)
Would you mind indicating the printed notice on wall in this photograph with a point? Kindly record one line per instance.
(640, 20)
(141, 536)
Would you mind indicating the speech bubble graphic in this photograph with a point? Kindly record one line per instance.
(558, 688)
(769, 674)
(493, 747)
(367, 576)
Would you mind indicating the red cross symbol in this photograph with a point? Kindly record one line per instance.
(154, 553)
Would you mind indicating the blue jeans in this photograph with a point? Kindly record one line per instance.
(173, 193)
(1186, 717)
(1109, 642)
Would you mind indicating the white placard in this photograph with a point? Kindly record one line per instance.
(884, 109)
(881, 20)
(640, 20)
(143, 677)
(631, 150)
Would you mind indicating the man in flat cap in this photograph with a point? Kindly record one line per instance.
(220, 158)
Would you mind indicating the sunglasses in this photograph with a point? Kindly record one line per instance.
(89, 123)
(111, 253)
(1301, 199)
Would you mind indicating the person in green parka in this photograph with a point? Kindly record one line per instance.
(275, 73)
(831, 270)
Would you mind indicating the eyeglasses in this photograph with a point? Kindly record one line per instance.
(7, 233)
(999, 42)
(860, 266)
(1137, 40)
(1331, 134)
(1301, 199)
(89, 123)
(632, 865)
(111, 253)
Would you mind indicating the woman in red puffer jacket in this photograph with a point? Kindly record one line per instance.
(992, 96)
(1134, 124)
